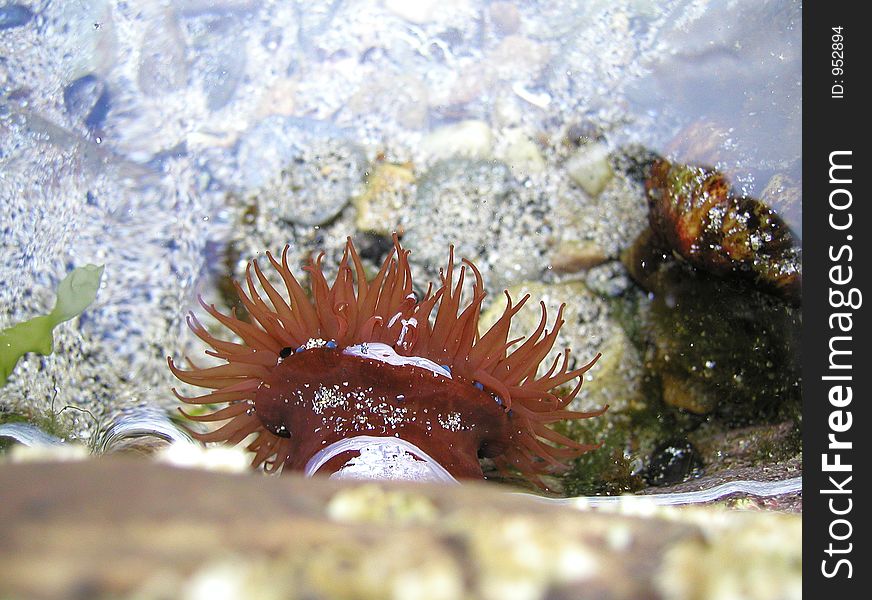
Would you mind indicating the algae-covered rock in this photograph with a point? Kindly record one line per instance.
(686, 392)
(695, 214)
(722, 347)
(762, 447)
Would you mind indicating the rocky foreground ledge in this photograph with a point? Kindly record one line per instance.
(122, 527)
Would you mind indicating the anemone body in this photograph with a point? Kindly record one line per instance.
(322, 363)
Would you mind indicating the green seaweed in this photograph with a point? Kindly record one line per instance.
(75, 293)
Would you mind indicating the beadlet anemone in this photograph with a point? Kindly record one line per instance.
(363, 379)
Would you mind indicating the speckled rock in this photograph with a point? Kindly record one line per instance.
(258, 230)
(300, 170)
(113, 357)
(609, 279)
(90, 43)
(494, 221)
(128, 528)
(602, 225)
(673, 461)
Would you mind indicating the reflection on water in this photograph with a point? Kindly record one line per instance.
(143, 431)
(732, 84)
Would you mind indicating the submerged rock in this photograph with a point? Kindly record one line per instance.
(492, 219)
(470, 139)
(163, 68)
(673, 462)
(301, 170)
(598, 218)
(572, 256)
(388, 193)
(589, 168)
(392, 95)
(722, 342)
(219, 56)
(720, 346)
(504, 17)
(14, 15)
(87, 100)
(518, 150)
(695, 214)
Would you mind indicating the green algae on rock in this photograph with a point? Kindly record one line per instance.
(75, 293)
(722, 347)
(723, 321)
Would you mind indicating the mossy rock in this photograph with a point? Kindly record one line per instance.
(724, 348)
